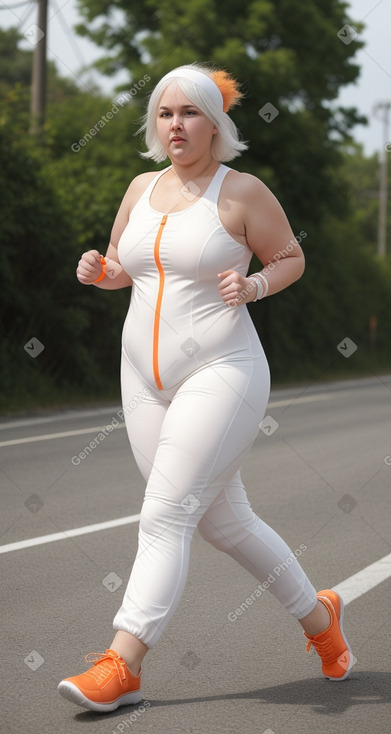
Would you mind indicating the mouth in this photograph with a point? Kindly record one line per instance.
(177, 139)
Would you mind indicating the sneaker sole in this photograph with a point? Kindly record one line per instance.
(72, 693)
(351, 659)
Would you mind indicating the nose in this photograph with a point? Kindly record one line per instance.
(176, 123)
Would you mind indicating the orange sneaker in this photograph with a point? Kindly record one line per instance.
(105, 686)
(332, 645)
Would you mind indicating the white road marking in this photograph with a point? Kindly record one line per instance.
(64, 535)
(305, 399)
(59, 417)
(350, 589)
(63, 434)
(364, 580)
(95, 429)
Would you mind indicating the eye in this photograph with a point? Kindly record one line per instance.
(164, 114)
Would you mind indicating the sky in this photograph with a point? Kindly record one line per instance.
(71, 52)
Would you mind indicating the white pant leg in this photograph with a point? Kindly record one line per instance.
(206, 430)
(144, 411)
(230, 525)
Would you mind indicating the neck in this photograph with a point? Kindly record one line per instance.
(203, 167)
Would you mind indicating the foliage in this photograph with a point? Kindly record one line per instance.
(59, 193)
(362, 174)
(271, 47)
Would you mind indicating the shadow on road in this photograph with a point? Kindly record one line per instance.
(323, 696)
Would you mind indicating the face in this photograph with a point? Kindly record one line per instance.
(184, 131)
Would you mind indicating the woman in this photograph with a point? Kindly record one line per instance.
(184, 238)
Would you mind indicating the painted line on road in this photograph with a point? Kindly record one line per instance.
(305, 399)
(350, 589)
(364, 580)
(64, 434)
(64, 535)
(95, 429)
(59, 417)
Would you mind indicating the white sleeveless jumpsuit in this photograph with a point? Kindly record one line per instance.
(195, 386)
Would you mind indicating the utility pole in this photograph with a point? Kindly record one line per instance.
(38, 81)
(384, 109)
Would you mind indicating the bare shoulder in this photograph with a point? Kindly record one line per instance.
(133, 193)
(247, 189)
(138, 185)
(257, 210)
(143, 179)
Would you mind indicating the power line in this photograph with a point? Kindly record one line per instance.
(68, 32)
(28, 10)
(18, 5)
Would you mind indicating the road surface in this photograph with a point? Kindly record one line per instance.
(319, 473)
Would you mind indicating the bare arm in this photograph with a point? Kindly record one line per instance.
(270, 236)
(89, 267)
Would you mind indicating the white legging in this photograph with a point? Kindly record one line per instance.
(189, 443)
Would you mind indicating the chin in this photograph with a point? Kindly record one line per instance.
(179, 157)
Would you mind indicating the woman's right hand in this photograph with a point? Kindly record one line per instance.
(89, 267)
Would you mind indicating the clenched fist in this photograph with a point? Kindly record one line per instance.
(89, 267)
(235, 289)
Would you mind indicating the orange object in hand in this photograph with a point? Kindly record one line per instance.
(104, 270)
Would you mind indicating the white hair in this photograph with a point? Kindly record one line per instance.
(225, 145)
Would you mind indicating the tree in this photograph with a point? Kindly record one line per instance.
(57, 199)
(291, 56)
(33, 305)
(286, 53)
(362, 173)
(59, 194)
(41, 299)
(16, 65)
(15, 84)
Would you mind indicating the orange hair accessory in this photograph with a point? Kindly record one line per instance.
(104, 270)
(229, 88)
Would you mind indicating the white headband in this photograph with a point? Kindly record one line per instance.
(203, 81)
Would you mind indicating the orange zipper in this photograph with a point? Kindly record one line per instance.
(156, 325)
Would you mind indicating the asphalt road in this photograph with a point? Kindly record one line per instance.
(320, 477)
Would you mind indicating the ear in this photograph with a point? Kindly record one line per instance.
(215, 131)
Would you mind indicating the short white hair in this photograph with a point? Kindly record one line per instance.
(225, 145)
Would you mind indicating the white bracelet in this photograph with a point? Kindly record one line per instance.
(260, 287)
(265, 283)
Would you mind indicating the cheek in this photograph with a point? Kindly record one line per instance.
(204, 130)
(161, 128)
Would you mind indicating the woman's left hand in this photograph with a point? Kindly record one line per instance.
(235, 289)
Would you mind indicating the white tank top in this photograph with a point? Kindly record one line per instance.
(177, 321)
